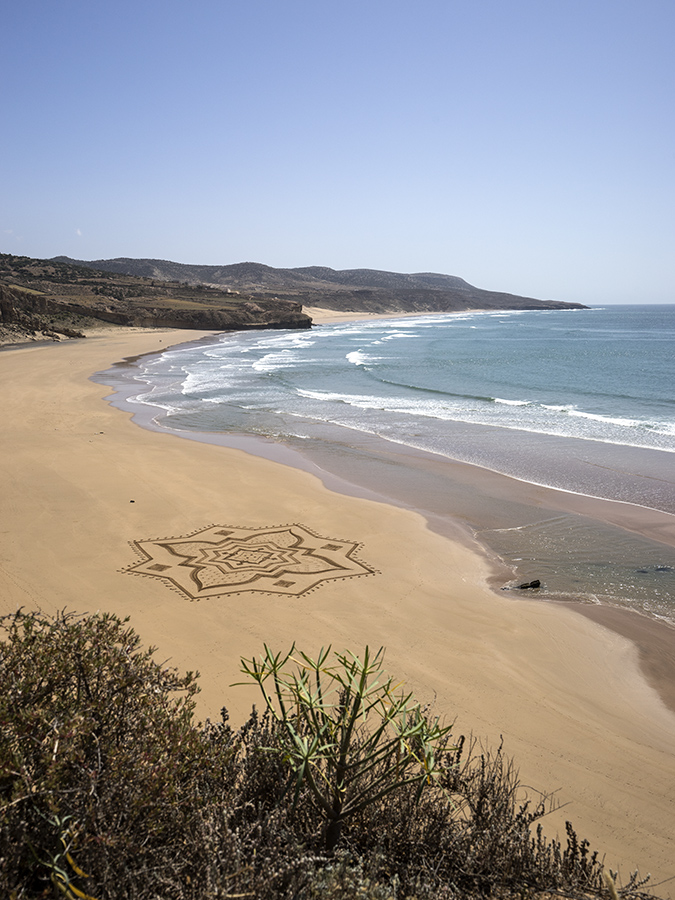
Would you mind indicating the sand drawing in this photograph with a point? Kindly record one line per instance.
(224, 559)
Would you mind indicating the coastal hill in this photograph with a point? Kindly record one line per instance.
(62, 297)
(348, 290)
(52, 299)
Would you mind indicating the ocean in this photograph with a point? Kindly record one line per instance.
(578, 400)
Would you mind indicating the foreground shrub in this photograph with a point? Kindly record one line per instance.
(110, 789)
(348, 733)
(99, 759)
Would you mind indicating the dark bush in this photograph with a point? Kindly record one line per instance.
(99, 759)
(110, 789)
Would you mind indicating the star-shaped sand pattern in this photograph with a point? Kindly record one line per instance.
(224, 559)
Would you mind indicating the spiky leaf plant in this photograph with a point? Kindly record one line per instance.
(352, 736)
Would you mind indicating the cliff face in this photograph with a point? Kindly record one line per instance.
(25, 316)
(246, 315)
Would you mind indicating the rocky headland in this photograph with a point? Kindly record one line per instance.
(53, 299)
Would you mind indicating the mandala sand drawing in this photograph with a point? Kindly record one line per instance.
(222, 559)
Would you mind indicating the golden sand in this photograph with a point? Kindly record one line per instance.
(567, 694)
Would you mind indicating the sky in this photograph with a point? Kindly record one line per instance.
(527, 146)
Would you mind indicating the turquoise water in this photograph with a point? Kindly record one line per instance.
(581, 400)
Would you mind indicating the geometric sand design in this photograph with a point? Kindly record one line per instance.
(225, 559)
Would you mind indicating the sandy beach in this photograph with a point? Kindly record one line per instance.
(80, 483)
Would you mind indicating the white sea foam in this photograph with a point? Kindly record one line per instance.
(396, 335)
(361, 358)
(332, 331)
(212, 379)
(611, 420)
(356, 357)
(271, 362)
(362, 402)
(512, 402)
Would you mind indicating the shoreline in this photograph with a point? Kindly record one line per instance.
(653, 638)
(81, 482)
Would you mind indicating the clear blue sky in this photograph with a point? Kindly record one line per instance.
(525, 145)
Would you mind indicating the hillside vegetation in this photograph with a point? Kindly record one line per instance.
(351, 290)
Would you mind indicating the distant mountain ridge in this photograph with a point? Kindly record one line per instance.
(248, 275)
(367, 290)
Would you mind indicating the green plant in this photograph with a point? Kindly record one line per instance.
(351, 735)
(61, 865)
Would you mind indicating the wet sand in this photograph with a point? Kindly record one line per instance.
(80, 483)
(655, 643)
